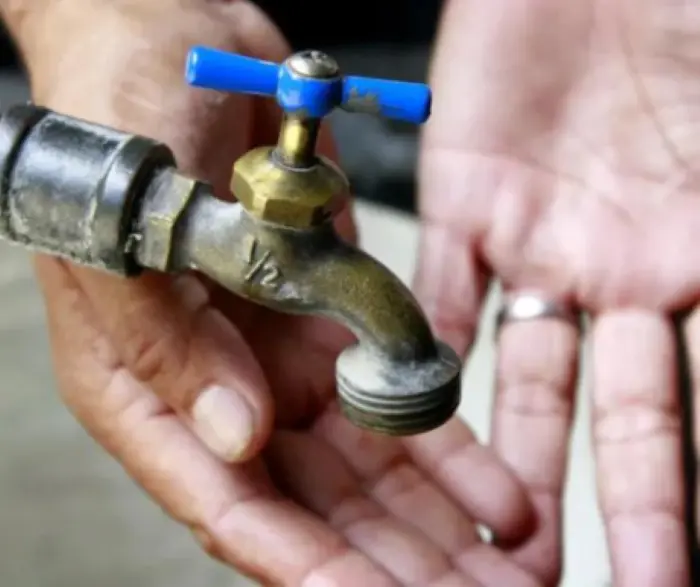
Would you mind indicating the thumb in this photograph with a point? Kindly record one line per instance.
(167, 335)
(450, 282)
(453, 183)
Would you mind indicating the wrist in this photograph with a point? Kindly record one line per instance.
(60, 39)
(43, 29)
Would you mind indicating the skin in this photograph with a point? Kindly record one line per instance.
(222, 411)
(558, 158)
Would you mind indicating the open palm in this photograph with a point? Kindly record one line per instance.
(561, 157)
(180, 380)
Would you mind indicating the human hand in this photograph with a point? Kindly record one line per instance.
(560, 158)
(179, 380)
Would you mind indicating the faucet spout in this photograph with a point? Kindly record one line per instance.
(398, 379)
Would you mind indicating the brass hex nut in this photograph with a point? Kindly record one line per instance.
(294, 198)
(162, 210)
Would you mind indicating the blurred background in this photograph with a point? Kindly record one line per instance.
(69, 517)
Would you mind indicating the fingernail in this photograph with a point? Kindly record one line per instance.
(224, 421)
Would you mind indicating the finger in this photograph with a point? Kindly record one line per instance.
(449, 283)
(300, 394)
(257, 34)
(169, 337)
(536, 378)
(474, 477)
(319, 479)
(449, 280)
(236, 514)
(392, 479)
(636, 425)
(389, 475)
(501, 76)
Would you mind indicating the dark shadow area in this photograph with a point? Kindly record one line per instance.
(685, 387)
(318, 23)
(8, 54)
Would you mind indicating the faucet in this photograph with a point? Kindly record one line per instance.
(117, 202)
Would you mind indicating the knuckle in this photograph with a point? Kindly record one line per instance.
(534, 399)
(207, 542)
(161, 344)
(151, 354)
(635, 422)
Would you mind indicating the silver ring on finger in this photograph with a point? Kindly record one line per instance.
(526, 306)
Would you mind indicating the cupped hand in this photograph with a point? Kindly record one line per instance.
(224, 412)
(561, 158)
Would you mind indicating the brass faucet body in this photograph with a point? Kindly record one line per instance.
(116, 202)
(397, 380)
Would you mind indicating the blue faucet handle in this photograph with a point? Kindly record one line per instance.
(308, 84)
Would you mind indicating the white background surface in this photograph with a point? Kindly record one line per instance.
(393, 239)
